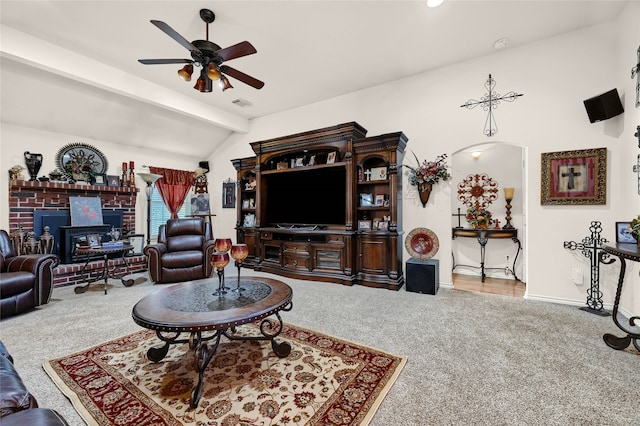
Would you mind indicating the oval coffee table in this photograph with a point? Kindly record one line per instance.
(192, 308)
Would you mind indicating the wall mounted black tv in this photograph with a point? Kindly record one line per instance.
(604, 106)
(306, 197)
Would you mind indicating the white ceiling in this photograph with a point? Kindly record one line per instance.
(84, 57)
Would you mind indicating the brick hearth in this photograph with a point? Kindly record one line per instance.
(25, 197)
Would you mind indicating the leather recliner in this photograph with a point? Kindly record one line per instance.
(26, 281)
(182, 253)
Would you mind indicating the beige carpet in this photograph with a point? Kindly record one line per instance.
(323, 381)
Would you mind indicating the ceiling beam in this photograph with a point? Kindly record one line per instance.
(52, 58)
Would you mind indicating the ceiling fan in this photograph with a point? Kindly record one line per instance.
(209, 56)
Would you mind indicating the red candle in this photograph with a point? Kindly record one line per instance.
(124, 165)
(131, 165)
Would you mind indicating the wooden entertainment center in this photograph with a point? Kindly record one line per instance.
(324, 205)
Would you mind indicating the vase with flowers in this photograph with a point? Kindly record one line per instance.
(479, 218)
(426, 173)
(634, 228)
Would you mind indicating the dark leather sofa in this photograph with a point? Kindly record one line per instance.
(17, 405)
(26, 281)
(182, 253)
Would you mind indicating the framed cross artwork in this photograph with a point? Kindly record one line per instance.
(574, 177)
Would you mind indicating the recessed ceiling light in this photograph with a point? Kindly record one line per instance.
(434, 3)
(501, 43)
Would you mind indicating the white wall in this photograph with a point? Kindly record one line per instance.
(555, 76)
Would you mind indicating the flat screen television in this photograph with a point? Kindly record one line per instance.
(306, 197)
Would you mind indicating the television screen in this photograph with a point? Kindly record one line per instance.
(306, 197)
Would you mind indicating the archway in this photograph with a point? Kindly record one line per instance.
(503, 166)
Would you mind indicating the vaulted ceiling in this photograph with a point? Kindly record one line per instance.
(71, 66)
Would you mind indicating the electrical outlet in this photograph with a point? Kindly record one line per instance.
(577, 276)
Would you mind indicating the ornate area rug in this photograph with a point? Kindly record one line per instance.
(323, 381)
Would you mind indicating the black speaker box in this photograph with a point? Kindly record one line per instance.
(204, 165)
(604, 106)
(423, 276)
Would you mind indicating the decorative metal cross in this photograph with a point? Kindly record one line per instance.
(635, 71)
(459, 216)
(489, 102)
(591, 248)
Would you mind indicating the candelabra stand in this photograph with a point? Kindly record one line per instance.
(508, 196)
(150, 179)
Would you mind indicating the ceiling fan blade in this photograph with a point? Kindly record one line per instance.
(236, 51)
(174, 35)
(165, 61)
(247, 79)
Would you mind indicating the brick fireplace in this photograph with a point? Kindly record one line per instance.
(27, 197)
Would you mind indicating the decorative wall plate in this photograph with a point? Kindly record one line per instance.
(422, 243)
(80, 161)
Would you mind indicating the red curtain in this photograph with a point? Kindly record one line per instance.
(173, 187)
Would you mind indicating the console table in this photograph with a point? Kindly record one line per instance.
(483, 236)
(623, 251)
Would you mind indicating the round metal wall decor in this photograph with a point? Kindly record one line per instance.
(422, 243)
(478, 190)
(79, 161)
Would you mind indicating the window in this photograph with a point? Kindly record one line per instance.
(160, 213)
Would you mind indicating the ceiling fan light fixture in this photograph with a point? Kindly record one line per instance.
(185, 72)
(213, 72)
(201, 85)
(225, 83)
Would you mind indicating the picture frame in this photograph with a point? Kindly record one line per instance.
(249, 220)
(282, 165)
(93, 240)
(376, 223)
(379, 202)
(383, 225)
(113, 180)
(85, 211)
(137, 241)
(200, 204)
(100, 180)
(577, 177)
(364, 225)
(622, 233)
(378, 173)
(228, 195)
(331, 157)
(366, 200)
(312, 160)
(300, 162)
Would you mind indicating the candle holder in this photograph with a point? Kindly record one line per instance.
(222, 245)
(239, 253)
(508, 196)
(219, 261)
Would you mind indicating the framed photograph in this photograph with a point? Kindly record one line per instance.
(623, 235)
(312, 160)
(137, 241)
(574, 177)
(282, 165)
(100, 180)
(85, 211)
(383, 225)
(364, 225)
(331, 158)
(378, 173)
(93, 240)
(299, 161)
(379, 200)
(200, 204)
(113, 180)
(376, 222)
(249, 220)
(366, 200)
(228, 195)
